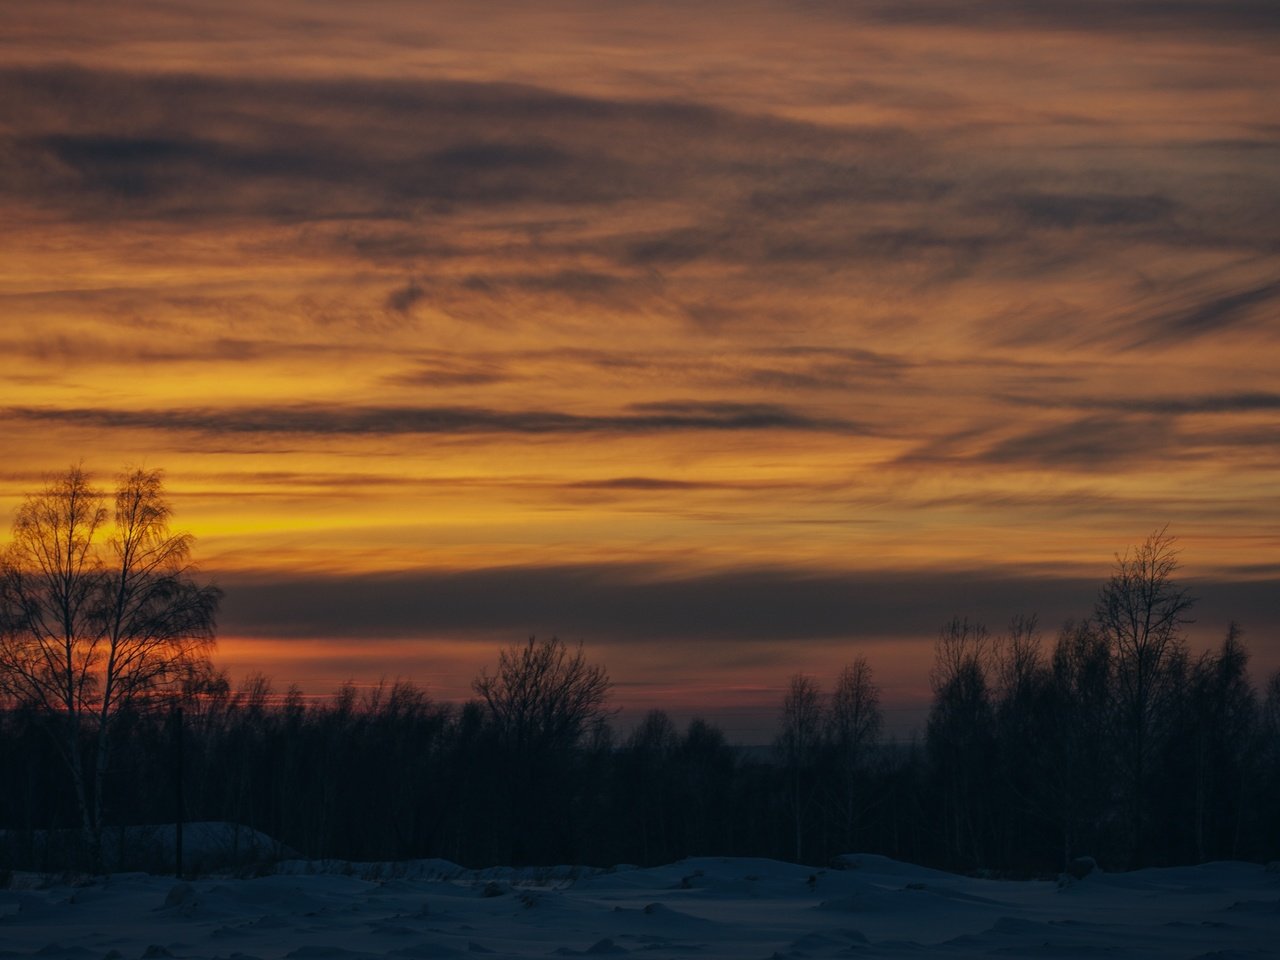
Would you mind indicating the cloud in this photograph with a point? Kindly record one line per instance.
(93, 143)
(283, 179)
(578, 285)
(1084, 444)
(1041, 509)
(1068, 211)
(812, 183)
(628, 602)
(816, 368)
(394, 172)
(661, 484)
(1089, 16)
(832, 376)
(1089, 443)
(185, 147)
(82, 349)
(622, 603)
(389, 241)
(403, 299)
(739, 416)
(322, 420)
(131, 167)
(1210, 403)
(452, 373)
(1209, 315)
(800, 368)
(1109, 432)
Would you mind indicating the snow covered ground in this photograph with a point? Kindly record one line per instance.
(699, 908)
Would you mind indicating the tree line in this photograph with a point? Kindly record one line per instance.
(1109, 740)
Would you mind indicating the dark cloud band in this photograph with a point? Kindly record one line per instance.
(318, 420)
(631, 603)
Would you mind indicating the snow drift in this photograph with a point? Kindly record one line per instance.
(705, 908)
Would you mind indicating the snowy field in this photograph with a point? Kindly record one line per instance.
(700, 908)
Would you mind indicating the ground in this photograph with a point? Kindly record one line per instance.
(702, 908)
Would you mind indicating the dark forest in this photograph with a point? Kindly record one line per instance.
(1032, 756)
(1112, 742)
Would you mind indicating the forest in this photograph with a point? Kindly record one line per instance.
(1108, 740)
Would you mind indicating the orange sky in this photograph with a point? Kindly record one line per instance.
(731, 339)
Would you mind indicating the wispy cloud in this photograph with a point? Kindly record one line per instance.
(196, 147)
(402, 299)
(639, 418)
(65, 349)
(1210, 315)
(1173, 405)
(1089, 16)
(1087, 443)
(1066, 211)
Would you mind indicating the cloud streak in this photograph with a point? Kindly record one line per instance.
(1209, 316)
(1088, 16)
(348, 420)
(190, 147)
(1215, 403)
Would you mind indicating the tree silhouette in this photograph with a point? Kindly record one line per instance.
(1078, 741)
(708, 771)
(543, 694)
(1220, 720)
(647, 774)
(799, 745)
(1023, 685)
(1027, 762)
(960, 734)
(99, 612)
(541, 702)
(1141, 611)
(1268, 773)
(853, 729)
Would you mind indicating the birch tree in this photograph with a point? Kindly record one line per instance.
(853, 730)
(1141, 611)
(100, 611)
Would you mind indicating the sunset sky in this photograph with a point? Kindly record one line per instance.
(731, 339)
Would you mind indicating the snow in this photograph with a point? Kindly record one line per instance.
(697, 908)
(207, 845)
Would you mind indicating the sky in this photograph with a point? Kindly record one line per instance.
(732, 340)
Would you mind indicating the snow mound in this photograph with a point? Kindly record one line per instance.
(887, 867)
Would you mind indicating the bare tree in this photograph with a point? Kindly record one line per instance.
(1018, 658)
(1141, 611)
(544, 695)
(853, 727)
(799, 745)
(1222, 720)
(960, 735)
(542, 703)
(99, 612)
(1025, 734)
(962, 650)
(1078, 741)
(855, 719)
